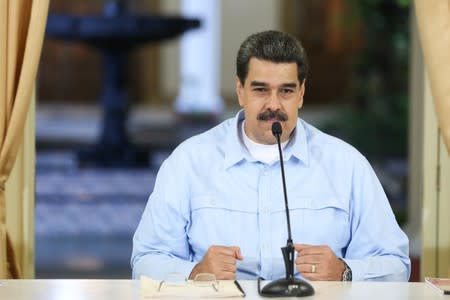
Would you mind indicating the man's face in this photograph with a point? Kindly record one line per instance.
(271, 93)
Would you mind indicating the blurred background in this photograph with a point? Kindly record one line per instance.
(121, 83)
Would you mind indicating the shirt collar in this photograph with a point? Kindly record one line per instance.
(235, 150)
(298, 145)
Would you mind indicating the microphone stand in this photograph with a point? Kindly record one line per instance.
(289, 286)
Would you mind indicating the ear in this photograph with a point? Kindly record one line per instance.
(301, 94)
(240, 91)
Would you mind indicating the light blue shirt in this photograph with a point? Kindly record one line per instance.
(210, 191)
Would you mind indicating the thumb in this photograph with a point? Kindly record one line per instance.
(237, 252)
(300, 247)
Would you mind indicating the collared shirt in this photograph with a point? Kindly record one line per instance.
(265, 153)
(210, 191)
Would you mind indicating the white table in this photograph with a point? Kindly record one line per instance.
(89, 289)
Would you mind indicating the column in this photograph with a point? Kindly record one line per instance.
(199, 93)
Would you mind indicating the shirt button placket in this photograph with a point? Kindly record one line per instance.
(264, 222)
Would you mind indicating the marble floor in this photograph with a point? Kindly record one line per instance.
(86, 216)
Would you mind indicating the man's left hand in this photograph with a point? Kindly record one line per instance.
(318, 263)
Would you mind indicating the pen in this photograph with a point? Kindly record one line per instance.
(239, 287)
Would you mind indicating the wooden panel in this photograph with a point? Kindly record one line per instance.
(429, 260)
(443, 211)
(320, 27)
(72, 71)
(144, 70)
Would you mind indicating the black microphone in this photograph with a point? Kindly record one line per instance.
(289, 286)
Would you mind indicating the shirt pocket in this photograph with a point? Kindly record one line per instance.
(228, 203)
(219, 221)
(319, 221)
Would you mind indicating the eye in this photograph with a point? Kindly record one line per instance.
(286, 91)
(260, 89)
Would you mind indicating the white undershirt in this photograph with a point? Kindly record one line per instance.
(264, 153)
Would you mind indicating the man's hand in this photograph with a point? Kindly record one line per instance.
(318, 263)
(220, 261)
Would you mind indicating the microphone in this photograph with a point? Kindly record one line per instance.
(289, 286)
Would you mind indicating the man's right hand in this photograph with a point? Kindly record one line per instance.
(220, 261)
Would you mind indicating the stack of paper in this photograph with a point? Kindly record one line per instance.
(159, 289)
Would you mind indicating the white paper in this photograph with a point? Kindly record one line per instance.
(153, 289)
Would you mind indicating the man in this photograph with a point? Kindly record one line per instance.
(218, 207)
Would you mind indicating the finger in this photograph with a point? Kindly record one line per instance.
(225, 275)
(218, 249)
(224, 250)
(312, 250)
(229, 268)
(237, 252)
(227, 259)
(309, 259)
(301, 247)
(308, 268)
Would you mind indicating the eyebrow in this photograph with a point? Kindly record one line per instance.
(258, 83)
(284, 85)
(289, 85)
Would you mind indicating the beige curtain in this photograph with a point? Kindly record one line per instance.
(433, 20)
(22, 27)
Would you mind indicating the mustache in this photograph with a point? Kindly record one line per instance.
(269, 115)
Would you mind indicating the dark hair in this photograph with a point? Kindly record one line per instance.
(274, 46)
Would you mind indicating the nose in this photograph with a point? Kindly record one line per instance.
(274, 103)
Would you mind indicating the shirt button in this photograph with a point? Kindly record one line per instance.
(266, 173)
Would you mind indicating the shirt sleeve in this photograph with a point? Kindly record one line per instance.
(160, 244)
(378, 248)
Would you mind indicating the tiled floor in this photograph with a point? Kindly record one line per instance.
(85, 217)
